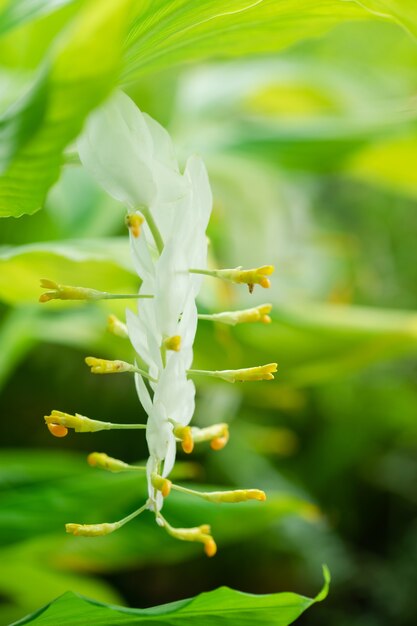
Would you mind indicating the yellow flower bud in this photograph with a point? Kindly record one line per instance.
(67, 292)
(161, 484)
(218, 435)
(103, 461)
(255, 314)
(103, 366)
(117, 327)
(184, 433)
(79, 423)
(261, 372)
(173, 343)
(91, 530)
(134, 222)
(198, 533)
(237, 495)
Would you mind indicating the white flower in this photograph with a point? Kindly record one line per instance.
(132, 157)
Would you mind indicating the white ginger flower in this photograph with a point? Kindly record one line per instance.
(132, 157)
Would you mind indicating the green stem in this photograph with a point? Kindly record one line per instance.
(126, 426)
(159, 242)
(123, 296)
(132, 515)
(143, 373)
(190, 492)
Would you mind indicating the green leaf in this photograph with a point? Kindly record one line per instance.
(18, 12)
(83, 65)
(227, 605)
(100, 264)
(80, 69)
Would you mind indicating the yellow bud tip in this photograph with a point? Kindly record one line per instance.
(166, 488)
(205, 529)
(210, 547)
(48, 284)
(219, 442)
(173, 343)
(57, 430)
(265, 283)
(92, 459)
(187, 440)
(134, 222)
(265, 319)
(45, 297)
(256, 494)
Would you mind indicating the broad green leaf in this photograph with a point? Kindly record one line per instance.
(78, 73)
(14, 13)
(100, 264)
(166, 33)
(230, 606)
(82, 66)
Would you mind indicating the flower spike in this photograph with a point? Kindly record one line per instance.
(68, 292)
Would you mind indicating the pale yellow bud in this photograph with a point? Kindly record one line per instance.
(255, 314)
(184, 433)
(237, 495)
(217, 434)
(117, 327)
(173, 343)
(161, 484)
(103, 461)
(79, 423)
(261, 372)
(91, 530)
(198, 533)
(67, 292)
(103, 366)
(251, 277)
(134, 222)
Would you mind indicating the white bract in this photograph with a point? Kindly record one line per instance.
(132, 158)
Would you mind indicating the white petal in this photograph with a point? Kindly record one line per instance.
(116, 148)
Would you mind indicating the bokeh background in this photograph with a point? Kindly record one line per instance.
(312, 157)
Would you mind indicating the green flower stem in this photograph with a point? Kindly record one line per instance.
(128, 518)
(159, 242)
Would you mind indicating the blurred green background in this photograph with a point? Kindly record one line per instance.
(312, 158)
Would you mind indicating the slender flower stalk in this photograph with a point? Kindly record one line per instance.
(67, 292)
(133, 159)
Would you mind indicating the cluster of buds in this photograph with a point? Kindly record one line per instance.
(167, 216)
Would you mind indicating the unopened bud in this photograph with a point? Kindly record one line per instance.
(217, 434)
(57, 430)
(117, 327)
(134, 222)
(67, 292)
(91, 530)
(255, 314)
(237, 495)
(103, 366)
(173, 343)
(161, 484)
(79, 423)
(184, 433)
(261, 372)
(103, 461)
